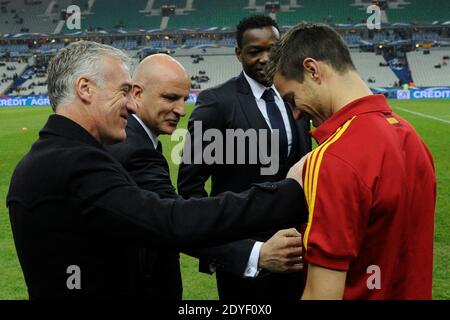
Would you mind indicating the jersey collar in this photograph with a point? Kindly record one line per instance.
(367, 104)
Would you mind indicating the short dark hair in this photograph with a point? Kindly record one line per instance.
(308, 40)
(253, 22)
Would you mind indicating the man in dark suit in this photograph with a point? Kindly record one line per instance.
(248, 102)
(79, 219)
(160, 88)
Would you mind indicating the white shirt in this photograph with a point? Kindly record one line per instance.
(252, 271)
(150, 133)
(258, 90)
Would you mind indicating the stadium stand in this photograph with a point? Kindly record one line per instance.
(221, 64)
(125, 44)
(180, 4)
(368, 66)
(221, 14)
(10, 70)
(109, 15)
(227, 42)
(336, 11)
(201, 32)
(26, 16)
(43, 16)
(418, 11)
(51, 46)
(430, 69)
(35, 84)
(385, 36)
(420, 37)
(218, 64)
(189, 43)
(352, 39)
(17, 48)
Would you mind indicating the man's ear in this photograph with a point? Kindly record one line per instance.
(312, 69)
(84, 90)
(136, 91)
(237, 52)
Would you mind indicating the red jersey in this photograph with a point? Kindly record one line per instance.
(371, 192)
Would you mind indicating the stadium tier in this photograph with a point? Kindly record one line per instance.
(24, 16)
(10, 70)
(211, 14)
(109, 15)
(45, 15)
(419, 11)
(206, 28)
(337, 11)
(218, 66)
(213, 66)
(372, 71)
(432, 69)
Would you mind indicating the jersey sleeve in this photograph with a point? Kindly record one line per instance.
(338, 205)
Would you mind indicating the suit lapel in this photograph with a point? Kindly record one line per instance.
(139, 131)
(294, 131)
(135, 128)
(248, 105)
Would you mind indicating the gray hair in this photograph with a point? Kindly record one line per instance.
(81, 58)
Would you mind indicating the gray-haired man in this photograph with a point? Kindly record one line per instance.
(77, 216)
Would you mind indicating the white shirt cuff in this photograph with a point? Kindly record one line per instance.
(252, 271)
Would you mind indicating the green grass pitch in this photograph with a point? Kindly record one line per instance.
(15, 142)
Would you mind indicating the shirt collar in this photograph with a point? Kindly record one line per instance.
(258, 89)
(367, 104)
(153, 137)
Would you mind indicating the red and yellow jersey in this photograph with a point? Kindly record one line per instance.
(370, 186)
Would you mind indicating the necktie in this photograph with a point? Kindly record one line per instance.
(276, 121)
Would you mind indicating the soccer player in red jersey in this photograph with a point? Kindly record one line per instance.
(370, 184)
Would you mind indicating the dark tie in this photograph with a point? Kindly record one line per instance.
(276, 120)
(159, 147)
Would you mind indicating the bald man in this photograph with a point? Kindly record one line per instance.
(160, 88)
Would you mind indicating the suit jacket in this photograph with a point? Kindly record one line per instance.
(72, 204)
(232, 105)
(160, 267)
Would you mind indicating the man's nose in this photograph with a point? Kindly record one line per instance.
(180, 108)
(131, 106)
(264, 58)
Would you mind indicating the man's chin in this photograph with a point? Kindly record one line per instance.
(114, 139)
(262, 80)
(168, 129)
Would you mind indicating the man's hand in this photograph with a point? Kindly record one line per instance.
(283, 252)
(296, 170)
